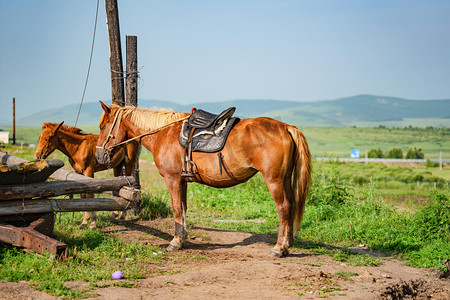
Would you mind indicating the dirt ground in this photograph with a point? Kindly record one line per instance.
(220, 264)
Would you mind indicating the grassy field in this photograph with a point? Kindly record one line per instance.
(338, 141)
(393, 209)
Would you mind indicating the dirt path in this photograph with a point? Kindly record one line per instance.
(219, 264)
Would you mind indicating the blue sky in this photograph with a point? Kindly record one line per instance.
(191, 51)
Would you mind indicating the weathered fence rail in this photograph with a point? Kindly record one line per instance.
(27, 212)
(19, 207)
(57, 188)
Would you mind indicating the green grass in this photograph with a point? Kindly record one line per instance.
(92, 257)
(417, 179)
(155, 205)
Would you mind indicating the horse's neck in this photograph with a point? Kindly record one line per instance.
(69, 143)
(134, 131)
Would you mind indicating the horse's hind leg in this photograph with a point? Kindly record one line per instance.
(93, 220)
(281, 192)
(87, 216)
(85, 220)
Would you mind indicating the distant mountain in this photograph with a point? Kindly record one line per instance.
(366, 110)
(361, 110)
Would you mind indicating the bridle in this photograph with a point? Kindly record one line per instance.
(118, 120)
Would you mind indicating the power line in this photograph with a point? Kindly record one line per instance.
(90, 61)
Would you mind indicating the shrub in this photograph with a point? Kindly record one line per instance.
(430, 164)
(360, 180)
(394, 153)
(328, 187)
(415, 153)
(433, 221)
(375, 153)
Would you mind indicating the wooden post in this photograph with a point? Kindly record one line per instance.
(132, 73)
(115, 52)
(132, 87)
(14, 121)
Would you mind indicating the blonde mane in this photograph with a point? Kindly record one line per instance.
(148, 119)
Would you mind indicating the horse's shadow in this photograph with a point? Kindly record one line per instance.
(252, 239)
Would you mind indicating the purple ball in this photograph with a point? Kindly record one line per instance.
(117, 275)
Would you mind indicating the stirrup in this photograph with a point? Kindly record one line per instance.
(187, 174)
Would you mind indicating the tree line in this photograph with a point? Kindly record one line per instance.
(413, 153)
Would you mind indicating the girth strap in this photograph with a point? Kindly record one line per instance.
(227, 170)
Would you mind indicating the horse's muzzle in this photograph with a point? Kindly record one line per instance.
(40, 155)
(102, 156)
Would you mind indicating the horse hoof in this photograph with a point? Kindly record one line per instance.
(82, 226)
(275, 254)
(172, 247)
(278, 254)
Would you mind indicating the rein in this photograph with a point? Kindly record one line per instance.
(136, 137)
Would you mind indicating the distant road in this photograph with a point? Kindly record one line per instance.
(381, 160)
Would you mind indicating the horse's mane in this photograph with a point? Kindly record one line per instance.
(148, 119)
(69, 129)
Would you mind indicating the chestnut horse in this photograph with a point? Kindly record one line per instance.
(278, 150)
(79, 147)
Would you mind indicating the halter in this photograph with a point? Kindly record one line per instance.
(110, 135)
(118, 116)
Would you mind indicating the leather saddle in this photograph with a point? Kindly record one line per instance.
(204, 132)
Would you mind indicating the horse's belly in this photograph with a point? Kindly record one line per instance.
(223, 172)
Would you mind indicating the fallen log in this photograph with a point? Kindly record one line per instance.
(19, 207)
(57, 188)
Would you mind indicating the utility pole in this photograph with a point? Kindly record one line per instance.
(115, 52)
(131, 85)
(115, 59)
(14, 121)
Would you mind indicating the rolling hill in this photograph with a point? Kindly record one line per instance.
(361, 110)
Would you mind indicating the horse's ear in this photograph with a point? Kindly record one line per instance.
(105, 107)
(59, 126)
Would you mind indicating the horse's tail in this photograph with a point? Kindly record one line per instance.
(302, 174)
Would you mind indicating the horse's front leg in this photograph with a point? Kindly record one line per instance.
(177, 190)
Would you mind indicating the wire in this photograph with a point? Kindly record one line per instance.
(90, 61)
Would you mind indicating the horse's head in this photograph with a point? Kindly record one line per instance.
(111, 132)
(48, 140)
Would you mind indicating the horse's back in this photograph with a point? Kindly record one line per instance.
(260, 131)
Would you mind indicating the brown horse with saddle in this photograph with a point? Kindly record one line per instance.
(218, 151)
